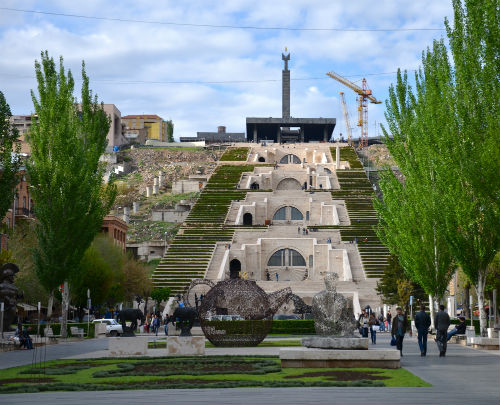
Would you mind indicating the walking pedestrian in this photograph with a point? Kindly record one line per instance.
(389, 319)
(298, 230)
(441, 321)
(422, 323)
(165, 324)
(373, 323)
(399, 326)
(157, 324)
(277, 276)
(363, 324)
(381, 322)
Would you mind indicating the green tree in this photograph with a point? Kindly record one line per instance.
(96, 275)
(394, 276)
(9, 164)
(170, 131)
(136, 280)
(70, 199)
(471, 157)
(22, 242)
(159, 295)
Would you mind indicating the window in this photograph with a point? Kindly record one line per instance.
(296, 215)
(307, 215)
(288, 213)
(277, 259)
(286, 257)
(311, 261)
(280, 215)
(290, 158)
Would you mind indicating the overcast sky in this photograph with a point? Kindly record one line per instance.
(131, 63)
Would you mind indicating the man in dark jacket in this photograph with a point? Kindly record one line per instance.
(442, 321)
(458, 330)
(399, 326)
(422, 323)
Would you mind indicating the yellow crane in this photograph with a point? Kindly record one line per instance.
(364, 94)
(346, 118)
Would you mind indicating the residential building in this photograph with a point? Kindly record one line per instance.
(22, 205)
(155, 125)
(23, 125)
(115, 228)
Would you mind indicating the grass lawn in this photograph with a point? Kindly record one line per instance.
(191, 372)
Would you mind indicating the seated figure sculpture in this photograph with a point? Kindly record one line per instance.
(333, 313)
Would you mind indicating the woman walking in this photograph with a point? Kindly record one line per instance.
(372, 321)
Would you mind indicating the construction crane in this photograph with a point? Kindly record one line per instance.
(364, 94)
(346, 118)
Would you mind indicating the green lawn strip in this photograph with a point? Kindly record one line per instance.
(84, 380)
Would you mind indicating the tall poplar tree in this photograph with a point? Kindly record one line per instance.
(65, 174)
(471, 157)
(9, 163)
(411, 219)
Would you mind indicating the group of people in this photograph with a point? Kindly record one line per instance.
(22, 335)
(153, 323)
(369, 322)
(422, 325)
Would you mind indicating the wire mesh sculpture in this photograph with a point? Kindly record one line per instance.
(333, 313)
(238, 312)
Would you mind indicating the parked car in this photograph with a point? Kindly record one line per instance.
(113, 328)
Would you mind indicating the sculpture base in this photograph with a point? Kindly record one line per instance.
(304, 357)
(127, 332)
(337, 343)
(186, 346)
(119, 346)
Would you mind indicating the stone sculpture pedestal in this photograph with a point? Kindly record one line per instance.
(339, 343)
(128, 346)
(186, 345)
(305, 357)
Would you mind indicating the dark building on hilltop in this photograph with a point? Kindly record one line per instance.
(286, 128)
(221, 136)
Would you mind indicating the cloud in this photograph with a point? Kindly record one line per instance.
(130, 63)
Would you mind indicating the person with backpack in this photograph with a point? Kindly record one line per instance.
(374, 325)
(422, 323)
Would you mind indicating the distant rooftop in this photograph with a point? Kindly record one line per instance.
(142, 117)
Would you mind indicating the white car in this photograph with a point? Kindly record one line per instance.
(113, 328)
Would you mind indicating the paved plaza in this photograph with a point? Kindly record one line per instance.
(464, 376)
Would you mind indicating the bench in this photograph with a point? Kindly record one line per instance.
(459, 339)
(78, 332)
(49, 333)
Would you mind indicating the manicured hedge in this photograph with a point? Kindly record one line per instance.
(293, 327)
(56, 328)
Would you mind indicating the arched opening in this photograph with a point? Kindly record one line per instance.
(286, 257)
(287, 214)
(328, 171)
(290, 158)
(289, 184)
(295, 214)
(247, 218)
(254, 186)
(262, 159)
(234, 268)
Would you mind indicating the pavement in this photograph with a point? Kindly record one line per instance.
(465, 376)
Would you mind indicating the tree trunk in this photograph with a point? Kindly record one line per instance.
(481, 281)
(432, 312)
(64, 311)
(466, 303)
(50, 304)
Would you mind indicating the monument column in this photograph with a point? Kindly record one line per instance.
(255, 133)
(285, 83)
